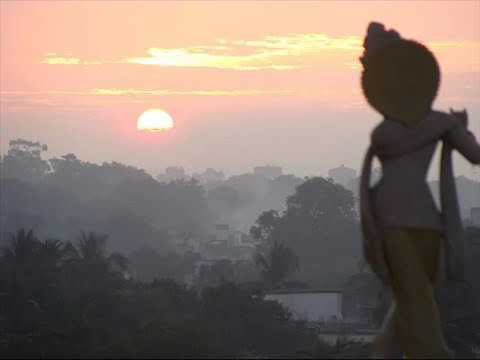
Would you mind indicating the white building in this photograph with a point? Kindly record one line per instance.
(310, 305)
(338, 337)
(323, 310)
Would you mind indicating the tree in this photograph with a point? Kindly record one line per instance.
(30, 279)
(148, 264)
(23, 161)
(19, 275)
(90, 252)
(267, 223)
(179, 204)
(86, 180)
(112, 198)
(254, 328)
(220, 272)
(66, 300)
(319, 225)
(91, 277)
(322, 202)
(279, 190)
(277, 264)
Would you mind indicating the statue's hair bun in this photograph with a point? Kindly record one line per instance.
(377, 38)
(401, 77)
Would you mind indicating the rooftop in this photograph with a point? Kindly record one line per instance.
(303, 291)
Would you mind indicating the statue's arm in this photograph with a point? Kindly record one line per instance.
(465, 143)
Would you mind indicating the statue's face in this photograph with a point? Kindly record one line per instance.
(401, 81)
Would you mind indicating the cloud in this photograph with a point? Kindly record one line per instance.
(54, 59)
(60, 60)
(192, 58)
(301, 43)
(287, 52)
(269, 53)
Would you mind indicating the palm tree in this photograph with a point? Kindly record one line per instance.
(277, 264)
(20, 276)
(91, 279)
(53, 254)
(92, 248)
(88, 260)
(23, 245)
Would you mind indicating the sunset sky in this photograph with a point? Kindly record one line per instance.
(247, 83)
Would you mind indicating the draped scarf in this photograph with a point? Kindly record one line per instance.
(453, 244)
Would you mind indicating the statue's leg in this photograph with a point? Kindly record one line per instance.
(386, 344)
(413, 256)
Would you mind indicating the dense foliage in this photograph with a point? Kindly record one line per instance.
(74, 300)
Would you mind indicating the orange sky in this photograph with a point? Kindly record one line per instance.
(247, 83)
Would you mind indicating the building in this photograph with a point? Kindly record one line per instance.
(334, 335)
(210, 177)
(475, 216)
(342, 175)
(270, 172)
(183, 242)
(226, 243)
(172, 173)
(362, 296)
(327, 313)
(310, 305)
(221, 232)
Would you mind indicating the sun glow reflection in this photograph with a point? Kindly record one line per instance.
(155, 120)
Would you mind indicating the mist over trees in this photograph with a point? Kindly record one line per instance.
(62, 196)
(150, 219)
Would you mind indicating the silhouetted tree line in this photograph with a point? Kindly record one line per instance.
(61, 195)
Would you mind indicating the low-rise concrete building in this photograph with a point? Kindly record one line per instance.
(324, 311)
(310, 305)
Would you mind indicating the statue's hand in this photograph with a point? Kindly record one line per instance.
(461, 115)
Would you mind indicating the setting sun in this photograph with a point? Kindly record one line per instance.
(155, 120)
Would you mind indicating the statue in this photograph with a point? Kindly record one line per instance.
(404, 232)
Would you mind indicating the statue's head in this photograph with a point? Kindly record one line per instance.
(400, 77)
